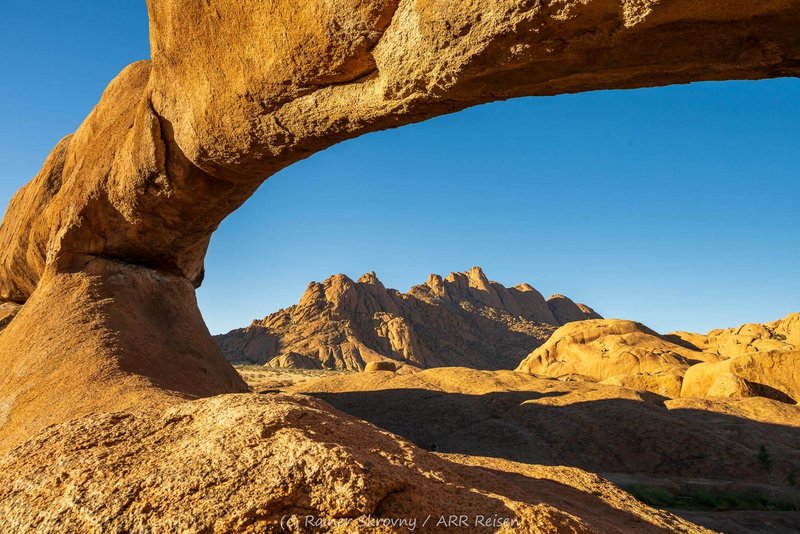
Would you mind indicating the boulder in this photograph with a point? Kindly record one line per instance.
(774, 375)
(665, 383)
(623, 353)
(780, 335)
(372, 367)
(293, 360)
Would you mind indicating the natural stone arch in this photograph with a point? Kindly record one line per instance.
(106, 244)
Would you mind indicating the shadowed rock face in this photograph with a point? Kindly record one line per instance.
(461, 320)
(239, 463)
(8, 310)
(603, 428)
(680, 447)
(237, 90)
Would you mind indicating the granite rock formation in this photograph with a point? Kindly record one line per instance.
(178, 142)
(712, 448)
(780, 335)
(623, 353)
(774, 375)
(748, 361)
(461, 320)
(594, 426)
(104, 246)
(248, 464)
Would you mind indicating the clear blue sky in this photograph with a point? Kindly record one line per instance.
(678, 207)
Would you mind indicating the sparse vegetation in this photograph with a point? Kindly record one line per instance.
(712, 499)
(658, 497)
(264, 379)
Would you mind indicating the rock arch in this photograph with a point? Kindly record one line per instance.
(105, 246)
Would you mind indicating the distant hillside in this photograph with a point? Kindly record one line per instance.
(461, 320)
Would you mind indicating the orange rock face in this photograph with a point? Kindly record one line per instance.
(248, 463)
(780, 335)
(105, 245)
(461, 320)
(616, 352)
(748, 361)
(774, 375)
(179, 142)
(110, 337)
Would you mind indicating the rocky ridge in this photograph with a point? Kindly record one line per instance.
(780, 335)
(463, 319)
(751, 360)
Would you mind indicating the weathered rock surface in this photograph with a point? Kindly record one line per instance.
(178, 143)
(105, 245)
(597, 427)
(748, 361)
(372, 367)
(665, 383)
(246, 463)
(8, 310)
(774, 375)
(617, 352)
(461, 320)
(125, 338)
(730, 446)
(757, 360)
(780, 335)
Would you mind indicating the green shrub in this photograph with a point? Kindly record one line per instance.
(712, 499)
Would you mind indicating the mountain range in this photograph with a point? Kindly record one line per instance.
(463, 319)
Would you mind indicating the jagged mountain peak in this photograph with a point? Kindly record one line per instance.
(464, 319)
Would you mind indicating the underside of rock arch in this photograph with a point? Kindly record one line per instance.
(104, 247)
